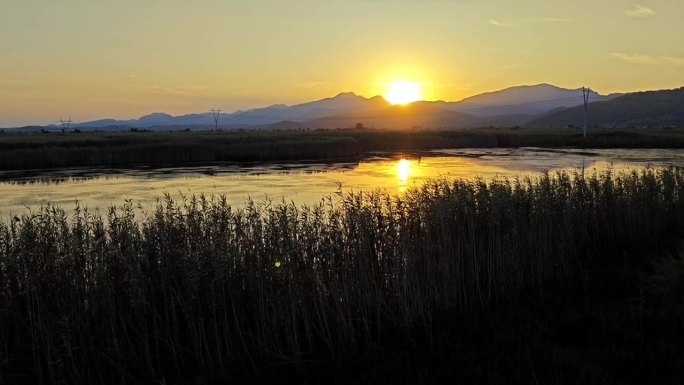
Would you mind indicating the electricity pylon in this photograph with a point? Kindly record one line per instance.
(585, 97)
(65, 123)
(216, 114)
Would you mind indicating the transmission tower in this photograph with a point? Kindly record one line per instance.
(216, 114)
(65, 123)
(585, 96)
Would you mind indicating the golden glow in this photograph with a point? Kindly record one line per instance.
(396, 176)
(451, 47)
(403, 170)
(403, 92)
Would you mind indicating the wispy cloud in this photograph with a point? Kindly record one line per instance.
(546, 20)
(675, 60)
(635, 58)
(499, 24)
(639, 11)
(638, 58)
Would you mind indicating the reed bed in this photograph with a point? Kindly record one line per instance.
(197, 286)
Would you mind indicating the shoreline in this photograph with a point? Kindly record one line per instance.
(128, 149)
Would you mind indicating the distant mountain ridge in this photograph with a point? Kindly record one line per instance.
(413, 115)
(658, 109)
(524, 100)
(346, 102)
(533, 106)
(343, 103)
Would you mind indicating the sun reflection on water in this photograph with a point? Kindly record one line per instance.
(308, 184)
(403, 171)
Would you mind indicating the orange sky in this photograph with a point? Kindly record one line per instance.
(91, 59)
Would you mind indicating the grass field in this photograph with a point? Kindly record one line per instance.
(36, 151)
(564, 279)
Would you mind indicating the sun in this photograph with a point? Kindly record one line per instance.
(403, 92)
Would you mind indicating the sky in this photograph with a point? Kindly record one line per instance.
(91, 59)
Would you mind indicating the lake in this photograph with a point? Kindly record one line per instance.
(302, 182)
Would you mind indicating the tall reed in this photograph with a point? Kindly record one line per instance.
(197, 286)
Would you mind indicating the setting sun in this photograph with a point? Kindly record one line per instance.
(403, 92)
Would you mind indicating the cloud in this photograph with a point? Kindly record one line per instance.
(649, 59)
(675, 60)
(635, 58)
(639, 11)
(499, 24)
(547, 20)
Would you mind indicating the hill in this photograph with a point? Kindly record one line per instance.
(344, 103)
(523, 100)
(541, 105)
(652, 109)
(417, 114)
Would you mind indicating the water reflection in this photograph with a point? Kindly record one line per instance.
(81, 174)
(403, 170)
(304, 182)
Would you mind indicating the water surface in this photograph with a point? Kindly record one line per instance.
(303, 182)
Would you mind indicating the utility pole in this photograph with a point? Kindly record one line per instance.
(65, 124)
(216, 114)
(585, 96)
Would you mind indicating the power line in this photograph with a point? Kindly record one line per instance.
(524, 104)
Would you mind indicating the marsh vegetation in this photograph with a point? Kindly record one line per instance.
(53, 150)
(467, 275)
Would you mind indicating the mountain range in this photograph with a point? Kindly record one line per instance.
(654, 109)
(541, 105)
